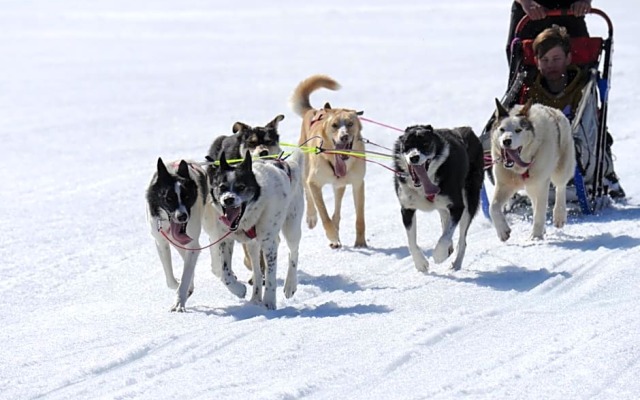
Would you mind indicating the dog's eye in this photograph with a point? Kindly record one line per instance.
(349, 124)
(223, 188)
(518, 130)
(335, 125)
(171, 197)
(240, 187)
(502, 130)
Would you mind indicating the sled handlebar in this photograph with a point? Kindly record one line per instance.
(566, 12)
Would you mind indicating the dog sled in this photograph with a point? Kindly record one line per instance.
(589, 124)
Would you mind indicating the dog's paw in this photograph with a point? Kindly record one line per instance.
(177, 307)
(536, 236)
(455, 266)
(559, 220)
(312, 221)
(504, 234)
(335, 245)
(422, 266)
(237, 288)
(270, 305)
(443, 250)
(419, 260)
(289, 290)
(255, 299)
(360, 244)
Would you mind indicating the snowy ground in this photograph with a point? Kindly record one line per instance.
(92, 93)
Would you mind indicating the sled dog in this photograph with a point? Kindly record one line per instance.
(254, 201)
(260, 141)
(438, 169)
(178, 207)
(336, 130)
(531, 145)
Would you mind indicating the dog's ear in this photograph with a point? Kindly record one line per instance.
(183, 169)
(163, 173)
(274, 124)
(327, 106)
(501, 112)
(360, 112)
(246, 163)
(224, 165)
(212, 163)
(239, 127)
(524, 111)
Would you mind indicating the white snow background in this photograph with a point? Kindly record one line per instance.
(92, 93)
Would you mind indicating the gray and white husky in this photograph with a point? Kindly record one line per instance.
(253, 202)
(178, 207)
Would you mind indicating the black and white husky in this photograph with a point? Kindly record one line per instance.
(438, 169)
(261, 141)
(178, 207)
(254, 201)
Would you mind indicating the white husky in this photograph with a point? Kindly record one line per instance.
(254, 201)
(531, 145)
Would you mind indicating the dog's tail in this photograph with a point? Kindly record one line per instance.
(296, 165)
(300, 98)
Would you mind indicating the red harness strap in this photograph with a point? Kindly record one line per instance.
(317, 117)
(251, 233)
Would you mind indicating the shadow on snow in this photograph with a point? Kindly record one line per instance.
(326, 310)
(508, 278)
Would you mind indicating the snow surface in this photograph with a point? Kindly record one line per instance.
(92, 93)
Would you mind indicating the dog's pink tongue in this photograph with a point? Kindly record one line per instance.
(515, 156)
(340, 167)
(428, 186)
(178, 236)
(230, 215)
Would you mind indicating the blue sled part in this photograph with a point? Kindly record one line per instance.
(485, 202)
(581, 192)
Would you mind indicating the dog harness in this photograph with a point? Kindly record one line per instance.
(251, 233)
(317, 117)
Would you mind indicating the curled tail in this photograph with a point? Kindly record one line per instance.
(300, 98)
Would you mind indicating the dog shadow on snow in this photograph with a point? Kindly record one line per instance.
(326, 283)
(509, 277)
(327, 310)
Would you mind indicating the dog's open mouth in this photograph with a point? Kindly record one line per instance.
(512, 157)
(231, 216)
(340, 167)
(179, 232)
(421, 178)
